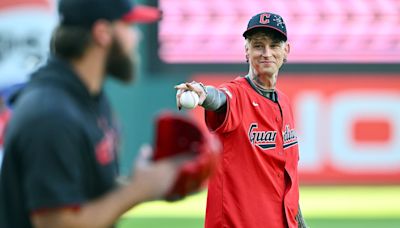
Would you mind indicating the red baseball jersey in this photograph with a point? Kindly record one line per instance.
(257, 183)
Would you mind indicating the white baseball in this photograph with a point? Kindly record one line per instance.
(189, 99)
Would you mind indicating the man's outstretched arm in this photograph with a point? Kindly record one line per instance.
(210, 98)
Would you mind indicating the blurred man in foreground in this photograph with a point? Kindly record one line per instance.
(60, 161)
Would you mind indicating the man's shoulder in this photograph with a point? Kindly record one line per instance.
(41, 104)
(239, 80)
(282, 97)
(281, 94)
(234, 86)
(235, 83)
(48, 97)
(29, 121)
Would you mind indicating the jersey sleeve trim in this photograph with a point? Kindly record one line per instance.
(72, 207)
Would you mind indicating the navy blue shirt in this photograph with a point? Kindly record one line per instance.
(60, 146)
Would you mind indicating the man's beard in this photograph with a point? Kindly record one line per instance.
(119, 65)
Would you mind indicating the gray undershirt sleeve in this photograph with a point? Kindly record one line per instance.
(215, 99)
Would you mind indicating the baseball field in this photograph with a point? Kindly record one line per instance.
(323, 207)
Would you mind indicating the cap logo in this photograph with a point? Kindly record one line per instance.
(264, 18)
(279, 21)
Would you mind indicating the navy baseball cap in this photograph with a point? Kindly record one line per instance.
(86, 12)
(266, 21)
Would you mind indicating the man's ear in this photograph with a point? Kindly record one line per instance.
(246, 47)
(287, 50)
(102, 33)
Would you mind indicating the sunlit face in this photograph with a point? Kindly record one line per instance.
(121, 59)
(265, 53)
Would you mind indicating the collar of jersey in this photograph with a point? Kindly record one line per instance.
(271, 95)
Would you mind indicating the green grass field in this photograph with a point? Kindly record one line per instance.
(323, 207)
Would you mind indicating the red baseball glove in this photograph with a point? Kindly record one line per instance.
(176, 134)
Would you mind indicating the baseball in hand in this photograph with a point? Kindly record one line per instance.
(189, 99)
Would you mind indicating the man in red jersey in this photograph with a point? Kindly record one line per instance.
(257, 181)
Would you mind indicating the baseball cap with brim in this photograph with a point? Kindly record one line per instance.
(266, 22)
(85, 13)
(142, 14)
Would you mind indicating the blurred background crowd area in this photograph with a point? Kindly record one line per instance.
(342, 76)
